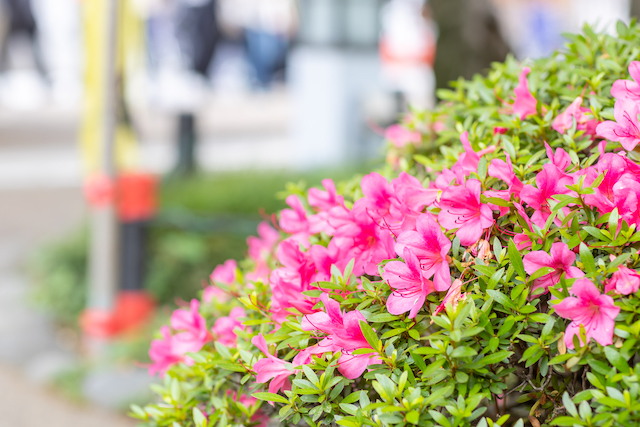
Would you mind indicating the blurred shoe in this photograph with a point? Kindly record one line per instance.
(23, 90)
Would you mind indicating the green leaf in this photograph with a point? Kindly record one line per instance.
(587, 259)
(506, 326)
(516, 259)
(224, 351)
(541, 272)
(310, 374)
(497, 357)
(569, 405)
(369, 334)
(439, 418)
(595, 232)
(463, 351)
(270, 397)
(614, 357)
(413, 417)
(229, 366)
(382, 318)
(482, 168)
(198, 418)
(500, 298)
(392, 333)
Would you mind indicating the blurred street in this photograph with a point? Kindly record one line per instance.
(236, 132)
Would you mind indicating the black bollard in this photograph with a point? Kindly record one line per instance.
(186, 144)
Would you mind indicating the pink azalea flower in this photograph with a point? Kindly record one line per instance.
(550, 181)
(350, 338)
(259, 417)
(627, 89)
(626, 128)
(294, 221)
(448, 177)
(453, 296)
(345, 335)
(325, 257)
(468, 161)
(193, 329)
(500, 169)
(271, 368)
(439, 126)
(211, 293)
(564, 120)
(401, 136)
(499, 194)
(288, 282)
(560, 158)
(360, 237)
(223, 329)
(430, 246)
(525, 103)
(292, 258)
(410, 198)
(499, 130)
(328, 321)
(619, 188)
(260, 272)
(560, 259)
(625, 281)
(394, 205)
(596, 312)
(410, 288)
(325, 200)
(522, 240)
(225, 273)
(163, 354)
(261, 247)
(461, 209)
(287, 288)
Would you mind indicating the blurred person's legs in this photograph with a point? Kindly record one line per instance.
(197, 33)
(266, 53)
(59, 33)
(22, 23)
(23, 85)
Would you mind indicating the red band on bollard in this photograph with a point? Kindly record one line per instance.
(133, 309)
(136, 196)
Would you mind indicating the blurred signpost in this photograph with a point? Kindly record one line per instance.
(121, 200)
(103, 254)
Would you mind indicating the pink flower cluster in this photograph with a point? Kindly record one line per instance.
(414, 226)
(626, 128)
(190, 337)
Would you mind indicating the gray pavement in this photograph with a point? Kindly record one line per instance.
(25, 404)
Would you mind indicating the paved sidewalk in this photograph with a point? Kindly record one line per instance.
(29, 349)
(24, 404)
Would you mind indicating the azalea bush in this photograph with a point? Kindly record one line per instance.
(486, 276)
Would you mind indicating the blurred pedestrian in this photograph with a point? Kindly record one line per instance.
(21, 22)
(267, 26)
(197, 33)
(407, 50)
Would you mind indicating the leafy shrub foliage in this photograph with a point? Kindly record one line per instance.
(490, 282)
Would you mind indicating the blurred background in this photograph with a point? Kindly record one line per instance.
(142, 141)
